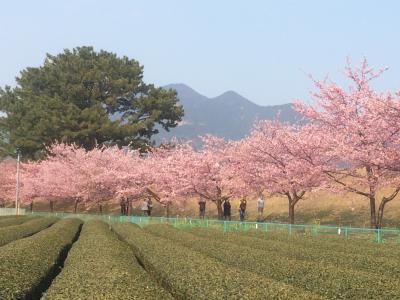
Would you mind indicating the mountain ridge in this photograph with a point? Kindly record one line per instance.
(228, 115)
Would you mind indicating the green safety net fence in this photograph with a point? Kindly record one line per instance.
(383, 235)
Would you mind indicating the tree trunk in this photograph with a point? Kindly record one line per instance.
(380, 214)
(100, 209)
(291, 212)
(122, 203)
(382, 207)
(76, 205)
(51, 206)
(219, 208)
(167, 212)
(293, 199)
(31, 206)
(373, 211)
(128, 207)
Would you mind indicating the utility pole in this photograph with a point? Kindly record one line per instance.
(17, 185)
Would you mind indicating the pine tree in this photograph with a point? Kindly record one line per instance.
(85, 97)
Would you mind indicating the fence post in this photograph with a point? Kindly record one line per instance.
(378, 231)
(266, 227)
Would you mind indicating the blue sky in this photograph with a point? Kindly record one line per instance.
(261, 49)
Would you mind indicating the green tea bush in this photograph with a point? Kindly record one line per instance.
(328, 280)
(100, 266)
(12, 233)
(16, 220)
(331, 243)
(188, 274)
(10, 217)
(28, 265)
(354, 258)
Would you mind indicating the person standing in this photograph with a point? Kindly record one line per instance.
(242, 209)
(202, 208)
(227, 210)
(260, 207)
(122, 204)
(145, 207)
(149, 206)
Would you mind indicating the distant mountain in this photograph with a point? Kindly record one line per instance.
(229, 115)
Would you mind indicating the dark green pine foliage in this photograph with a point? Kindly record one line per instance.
(85, 97)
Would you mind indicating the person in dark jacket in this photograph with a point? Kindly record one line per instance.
(149, 206)
(242, 209)
(202, 208)
(122, 204)
(227, 210)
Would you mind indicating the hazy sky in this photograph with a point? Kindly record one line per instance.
(261, 49)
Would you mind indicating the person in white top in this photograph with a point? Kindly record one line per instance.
(145, 207)
(260, 206)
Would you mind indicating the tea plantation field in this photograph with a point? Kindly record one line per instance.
(50, 258)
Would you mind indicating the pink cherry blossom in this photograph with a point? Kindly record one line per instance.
(361, 128)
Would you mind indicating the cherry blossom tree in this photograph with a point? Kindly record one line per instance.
(8, 169)
(281, 158)
(362, 127)
(58, 177)
(163, 172)
(91, 178)
(126, 176)
(203, 172)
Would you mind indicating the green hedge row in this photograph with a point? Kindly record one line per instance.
(354, 258)
(100, 266)
(12, 233)
(16, 220)
(188, 274)
(332, 281)
(28, 265)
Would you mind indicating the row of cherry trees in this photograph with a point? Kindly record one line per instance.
(349, 142)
